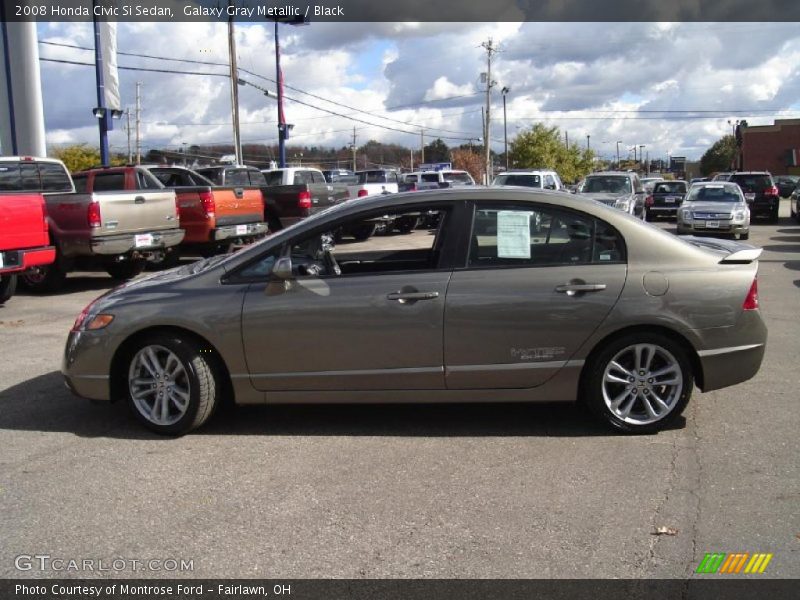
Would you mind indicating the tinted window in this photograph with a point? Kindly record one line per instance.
(714, 193)
(273, 177)
(10, 178)
(670, 187)
(610, 184)
(214, 175)
(30, 177)
(534, 236)
(430, 177)
(519, 180)
(237, 177)
(54, 178)
(107, 182)
(80, 182)
(752, 183)
(256, 177)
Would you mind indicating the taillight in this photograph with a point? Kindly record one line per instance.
(413, 188)
(771, 191)
(648, 201)
(94, 214)
(304, 199)
(209, 207)
(751, 301)
(362, 193)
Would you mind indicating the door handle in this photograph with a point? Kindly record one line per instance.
(403, 297)
(572, 289)
(138, 200)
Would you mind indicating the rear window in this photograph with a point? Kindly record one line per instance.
(10, 178)
(377, 177)
(303, 177)
(257, 177)
(54, 178)
(752, 183)
(109, 182)
(273, 177)
(237, 177)
(533, 181)
(430, 177)
(670, 187)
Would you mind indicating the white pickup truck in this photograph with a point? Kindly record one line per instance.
(374, 181)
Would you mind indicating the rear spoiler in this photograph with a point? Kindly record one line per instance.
(733, 252)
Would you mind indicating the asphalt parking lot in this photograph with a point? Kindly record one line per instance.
(475, 491)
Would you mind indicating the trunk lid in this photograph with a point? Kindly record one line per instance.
(133, 212)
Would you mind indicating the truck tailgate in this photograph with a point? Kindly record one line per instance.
(22, 221)
(131, 212)
(235, 206)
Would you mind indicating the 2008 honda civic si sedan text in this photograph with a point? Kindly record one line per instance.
(495, 295)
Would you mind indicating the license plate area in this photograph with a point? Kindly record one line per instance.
(712, 224)
(241, 229)
(143, 240)
(750, 196)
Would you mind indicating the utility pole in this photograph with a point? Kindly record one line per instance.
(138, 122)
(566, 139)
(587, 142)
(411, 150)
(641, 152)
(618, 143)
(234, 76)
(354, 150)
(128, 129)
(422, 146)
(505, 92)
(491, 49)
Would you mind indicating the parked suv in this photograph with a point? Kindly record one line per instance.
(760, 192)
(620, 189)
(537, 179)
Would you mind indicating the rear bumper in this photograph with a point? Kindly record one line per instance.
(664, 210)
(15, 261)
(246, 230)
(114, 245)
(733, 355)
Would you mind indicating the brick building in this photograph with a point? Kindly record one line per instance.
(774, 148)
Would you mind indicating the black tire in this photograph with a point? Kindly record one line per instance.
(45, 279)
(126, 269)
(198, 376)
(593, 393)
(745, 236)
(797, 216)
(8, 285)
(273, 224)
(363, 231)
(648, 216)
(773, 215)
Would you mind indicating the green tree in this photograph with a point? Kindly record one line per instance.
(720, 156)
(437, 151)
(77, 157)
(543, 147)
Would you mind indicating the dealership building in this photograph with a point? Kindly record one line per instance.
(774, 148)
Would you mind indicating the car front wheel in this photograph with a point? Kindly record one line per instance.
(171, 385)
(8, 285)
(639, 383)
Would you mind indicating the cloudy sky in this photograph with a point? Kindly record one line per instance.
(641, 83)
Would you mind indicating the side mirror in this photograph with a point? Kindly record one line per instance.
(283, 268)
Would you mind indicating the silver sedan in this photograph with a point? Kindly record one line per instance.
(515, 295)
(716, 208)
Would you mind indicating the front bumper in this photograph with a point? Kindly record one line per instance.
(247, 230)
(701, 226)
(16, 261)
(115, 245)
(86, 364)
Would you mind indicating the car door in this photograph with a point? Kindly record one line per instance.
(376, 326)
(538, 281)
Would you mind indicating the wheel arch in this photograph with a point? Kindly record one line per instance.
(125, 351)
(697, 366)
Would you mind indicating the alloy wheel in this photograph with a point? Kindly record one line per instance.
(159, 385)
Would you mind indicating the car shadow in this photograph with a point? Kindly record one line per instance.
(75, 284)
(795, 231)
(782, 247)
(43, 404)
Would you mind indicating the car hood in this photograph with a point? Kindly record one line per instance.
(714, 207)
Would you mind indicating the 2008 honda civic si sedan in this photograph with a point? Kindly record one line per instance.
(495, 295)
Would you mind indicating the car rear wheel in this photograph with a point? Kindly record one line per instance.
(8, 285)
(46, 278)
(171, 385)
(639, 383)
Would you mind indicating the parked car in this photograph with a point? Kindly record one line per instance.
(116, 231)
(665, 199)
(24, 232)
(374, 181)
(340, 176)
(649, 183)
(620, 189)
(533, 178)
(593, 306)
(213, 217)
(794, 204)
(716, 208)
(786, 184)
(293, 194)
(444, 178)
(760, 192)
(233, 175)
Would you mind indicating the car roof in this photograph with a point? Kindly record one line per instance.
(29, 159)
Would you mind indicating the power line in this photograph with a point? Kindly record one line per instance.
(171, 71)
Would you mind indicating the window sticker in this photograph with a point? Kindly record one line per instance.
(513, 234)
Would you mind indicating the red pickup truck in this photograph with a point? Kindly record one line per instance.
(24, 235)
(212, 217)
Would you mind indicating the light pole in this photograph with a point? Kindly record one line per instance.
(505, 91)
(641, 153)
(588, 137)
(618, 143)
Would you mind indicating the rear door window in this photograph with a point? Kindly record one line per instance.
(109, 182)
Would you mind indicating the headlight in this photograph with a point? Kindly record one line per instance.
(87, 321)
(622, 205)
(738, 215)
(686, 214)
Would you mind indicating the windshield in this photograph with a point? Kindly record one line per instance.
(670, 187)
(607, 184)
(714, 193)
(520, 180)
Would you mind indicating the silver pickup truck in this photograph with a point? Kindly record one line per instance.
(111, 230)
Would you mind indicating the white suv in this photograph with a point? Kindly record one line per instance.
(540, 179)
